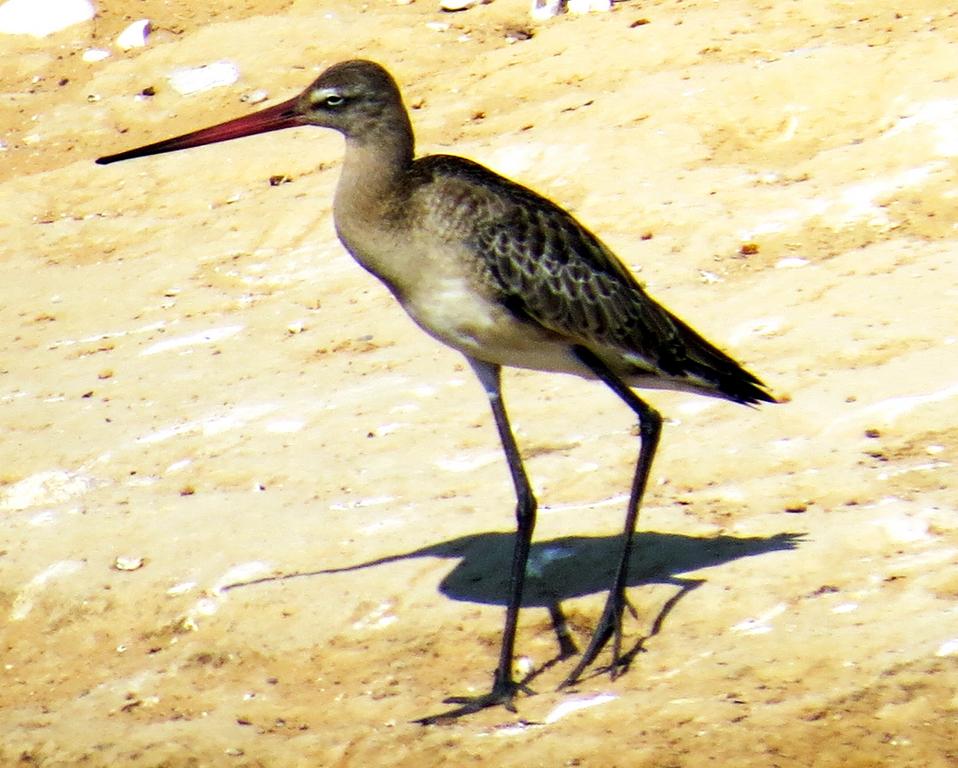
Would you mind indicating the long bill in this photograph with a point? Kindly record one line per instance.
(275, 118)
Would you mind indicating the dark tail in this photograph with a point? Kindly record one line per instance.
(742, 387)
(703, 360)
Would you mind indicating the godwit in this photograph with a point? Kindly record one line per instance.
(506, 277)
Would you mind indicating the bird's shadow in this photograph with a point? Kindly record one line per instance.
(568, 567)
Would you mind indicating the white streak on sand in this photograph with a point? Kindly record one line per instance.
(208, 336)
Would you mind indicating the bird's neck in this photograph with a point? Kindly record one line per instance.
(369, 203)
(373, 168)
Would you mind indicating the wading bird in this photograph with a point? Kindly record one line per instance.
(506, 277)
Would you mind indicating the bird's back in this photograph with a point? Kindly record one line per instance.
(553, 275)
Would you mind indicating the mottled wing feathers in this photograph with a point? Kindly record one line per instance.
(549, 269)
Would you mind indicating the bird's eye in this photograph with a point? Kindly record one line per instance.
(334, 100)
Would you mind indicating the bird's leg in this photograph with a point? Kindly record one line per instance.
(650, 426)
(504, 685)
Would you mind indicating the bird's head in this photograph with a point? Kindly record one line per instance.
(358, 98)
(353, 97)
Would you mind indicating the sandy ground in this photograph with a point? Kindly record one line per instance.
(199, 389)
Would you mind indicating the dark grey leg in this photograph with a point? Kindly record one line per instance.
(504, 686)
(650, 426)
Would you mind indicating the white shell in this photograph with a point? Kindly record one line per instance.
(95, 54)
(589, 6)
(134, 36)
(198, 79)
(458, 5)
(43, 17)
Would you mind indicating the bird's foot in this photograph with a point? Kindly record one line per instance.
(502, 693)
(609, 626)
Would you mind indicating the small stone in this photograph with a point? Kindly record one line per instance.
(709, 278)
(255, 97)
(524, 665)
(128, 563)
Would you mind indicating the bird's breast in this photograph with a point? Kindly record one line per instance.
(446, 289)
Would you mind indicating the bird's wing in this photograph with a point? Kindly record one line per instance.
(560, 275)
(549, 269)
(553, 271)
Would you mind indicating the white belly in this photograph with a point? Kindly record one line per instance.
(448, 310)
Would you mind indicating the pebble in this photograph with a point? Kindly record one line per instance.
(545, 9)
(255, 97)
(128, 563)
(95, 54)
(524, 666)
(790, 262)
(43, 17)
(181, 589)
